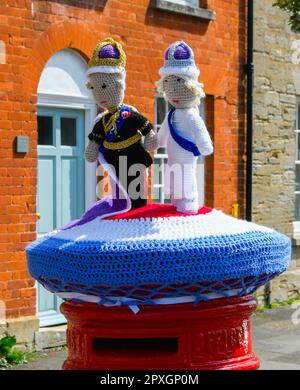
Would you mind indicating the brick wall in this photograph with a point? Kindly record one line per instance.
(33, 31)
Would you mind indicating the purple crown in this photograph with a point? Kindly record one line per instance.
(181, 52)
(109, 51)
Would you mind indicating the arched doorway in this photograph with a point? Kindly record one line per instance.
(66, 185)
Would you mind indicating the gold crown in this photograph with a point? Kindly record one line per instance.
(96, 60)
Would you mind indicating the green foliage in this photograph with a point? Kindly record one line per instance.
(262, 309)
(9, 355)
(293, 7)
(6, 344)
(277, 304)
(289, 302)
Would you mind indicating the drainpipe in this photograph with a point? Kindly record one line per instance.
(250, 77)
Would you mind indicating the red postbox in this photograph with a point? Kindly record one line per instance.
(214, 335)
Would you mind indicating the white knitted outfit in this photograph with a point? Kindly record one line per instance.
(182, 186)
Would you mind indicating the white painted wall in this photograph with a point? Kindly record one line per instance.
(65, 74)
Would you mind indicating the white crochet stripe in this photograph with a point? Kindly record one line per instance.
(105, 69)
(215, 223)
(120, 301)
(189, 71)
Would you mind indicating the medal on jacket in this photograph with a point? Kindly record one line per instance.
(115, 123)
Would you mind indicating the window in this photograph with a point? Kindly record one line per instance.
(45, 130)
(194, 3)
(184, 7)
(68, 131)
(160, 157)
(297, 168)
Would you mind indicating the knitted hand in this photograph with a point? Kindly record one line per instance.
(91, 151)
(151, 141)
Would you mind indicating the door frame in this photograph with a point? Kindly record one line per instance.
(90, 110)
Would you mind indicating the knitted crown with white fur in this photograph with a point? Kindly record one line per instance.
(179, 60)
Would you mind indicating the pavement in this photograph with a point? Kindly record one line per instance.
(276, 338)
(276, 341)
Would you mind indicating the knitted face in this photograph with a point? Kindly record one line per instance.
(108, 88)
(179, 93)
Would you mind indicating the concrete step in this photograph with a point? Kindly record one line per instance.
(50, 337)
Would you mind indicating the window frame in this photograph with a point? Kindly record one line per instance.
(162, 156)
(193, 8)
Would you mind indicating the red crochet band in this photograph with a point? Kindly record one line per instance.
(157, 210)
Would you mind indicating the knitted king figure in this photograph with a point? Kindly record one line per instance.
(118, 131)
(183, 131)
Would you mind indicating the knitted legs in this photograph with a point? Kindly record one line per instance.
(186, 206)
(135, 186)
(181, 185)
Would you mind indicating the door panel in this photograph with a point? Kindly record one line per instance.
(69, 182)
(60, 194)
(46, 194)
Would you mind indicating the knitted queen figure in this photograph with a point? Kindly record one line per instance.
(118, 131)
(183, 131)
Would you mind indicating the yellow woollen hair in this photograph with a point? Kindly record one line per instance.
(114, 56)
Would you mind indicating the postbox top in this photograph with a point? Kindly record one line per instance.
(156, 256)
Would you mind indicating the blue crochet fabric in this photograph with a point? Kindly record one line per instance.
(149, 269)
